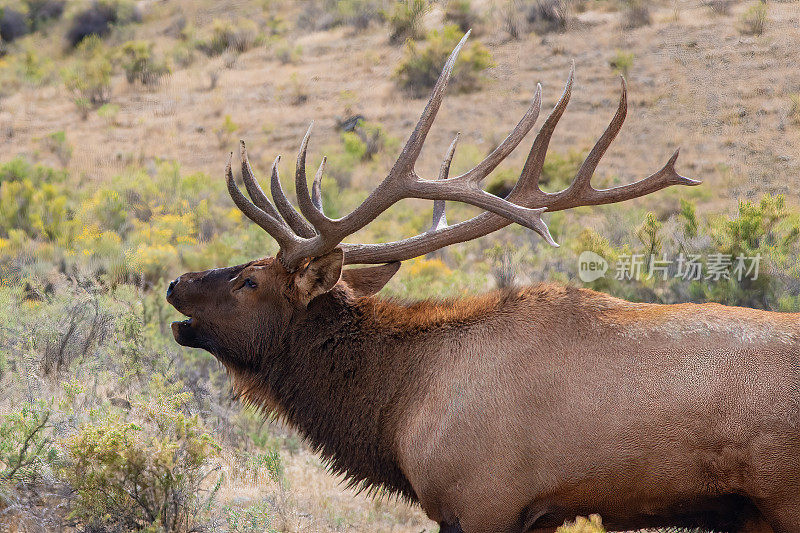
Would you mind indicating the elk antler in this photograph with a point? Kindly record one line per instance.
(314, 234)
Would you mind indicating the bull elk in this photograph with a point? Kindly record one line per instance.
(518, 409)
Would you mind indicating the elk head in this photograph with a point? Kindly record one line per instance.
(240, 311)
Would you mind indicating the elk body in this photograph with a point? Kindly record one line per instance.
(518, 409)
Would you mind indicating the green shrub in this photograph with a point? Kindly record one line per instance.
(374, 140)
(749, 259)
(108, 112)
(557, 173)
(461, 13)
(157, 474)
(27, 450)
(225, 132)
(34, 68)
(422, 63)
(108, 210)
(19, 169)
(255, 518)
(139, 63)
(544, 16)
(648, 233)
(767, 230)
(420, 277)
(405, 20)
(97, 19)
(249, 467)
(688, 214)
(183, 54)
(754, 19)
(559, 169)
(227, 36)
(41, 211)
(358, 14)
(122, 232)
(794, 108)
(362, 145)
(57, 144)
(502, 182)
(636, 13)
(40, 12)
(287, 53)
(89, 79)
(342, 161)
(119, 431)
(621, 62)
(275, 24)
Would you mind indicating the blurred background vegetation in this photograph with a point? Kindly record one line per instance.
(105, 423)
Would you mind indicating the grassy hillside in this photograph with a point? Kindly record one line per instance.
(116, 121)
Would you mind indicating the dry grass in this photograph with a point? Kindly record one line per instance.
(687, 89)
(313, 500)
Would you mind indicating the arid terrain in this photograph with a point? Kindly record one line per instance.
(696, 83)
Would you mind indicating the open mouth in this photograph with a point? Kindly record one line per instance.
(187, 322)
(186, 334)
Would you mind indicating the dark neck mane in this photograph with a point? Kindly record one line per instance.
(346, 373)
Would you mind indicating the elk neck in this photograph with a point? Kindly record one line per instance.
(347, 371)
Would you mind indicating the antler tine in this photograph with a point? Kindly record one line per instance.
(320, 222)
(253, 188)
(581, 183)
(509, 144)
(444, 170)
(316, 187)
(272, 225)
(298, 224)
(663, 178)
(439, 209)
(413, 147)
(528, 183)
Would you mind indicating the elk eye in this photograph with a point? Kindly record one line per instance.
(250, 283)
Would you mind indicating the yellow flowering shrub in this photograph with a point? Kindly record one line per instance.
(593, 524)
(154, 261)
(159, 471)
(428, 267)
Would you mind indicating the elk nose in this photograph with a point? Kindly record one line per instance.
(172, 286)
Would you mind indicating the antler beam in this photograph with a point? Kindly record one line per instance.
(314, 234)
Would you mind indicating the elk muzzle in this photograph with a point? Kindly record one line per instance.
(183, 331)
(200, 296)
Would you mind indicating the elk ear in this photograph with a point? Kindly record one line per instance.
(319, 275)
(369, 280)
